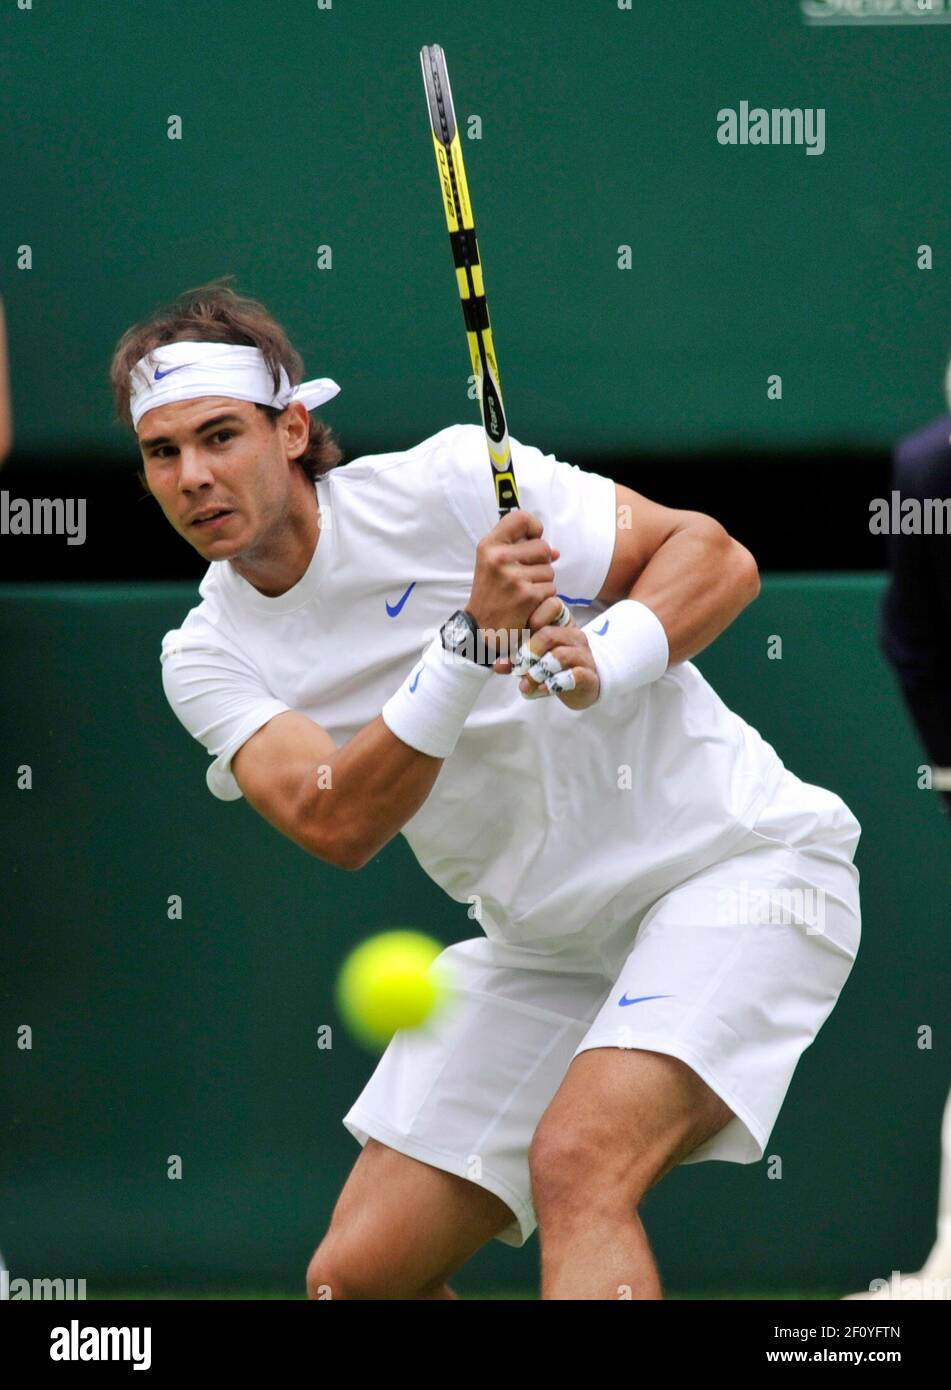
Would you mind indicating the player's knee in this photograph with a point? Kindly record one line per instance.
(320, 1275)
(340, 1269)
(333, 1274)
(582, 1168)
(564, 1168)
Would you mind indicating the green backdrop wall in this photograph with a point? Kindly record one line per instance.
(305, 127)
(199, 1037)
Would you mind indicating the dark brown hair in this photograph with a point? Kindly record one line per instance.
(213, 313)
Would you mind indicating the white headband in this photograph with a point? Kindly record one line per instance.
(183, 371)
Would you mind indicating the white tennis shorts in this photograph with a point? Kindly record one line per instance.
(734, 971)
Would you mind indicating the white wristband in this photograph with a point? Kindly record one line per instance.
(431, 706)
(630, 649)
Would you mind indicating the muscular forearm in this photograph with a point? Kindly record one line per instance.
(372, 786)
(697, 583)
(384, 774)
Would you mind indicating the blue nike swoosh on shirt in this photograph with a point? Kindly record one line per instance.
(641, 998)
(397, 608)
(412, 689)
(168, 370)
(600, 631)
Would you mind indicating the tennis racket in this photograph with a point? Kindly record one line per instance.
(465, 254)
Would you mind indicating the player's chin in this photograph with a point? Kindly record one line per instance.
(224, 541)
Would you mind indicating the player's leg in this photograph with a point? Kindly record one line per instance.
(400, 1228)
(730, 978)
(454, 1106)
(621, 1119)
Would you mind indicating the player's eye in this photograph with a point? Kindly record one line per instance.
(221, 436)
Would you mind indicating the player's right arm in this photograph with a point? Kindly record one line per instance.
(340, 804)
(344, 804)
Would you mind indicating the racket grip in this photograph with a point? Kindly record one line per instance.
(564, 617)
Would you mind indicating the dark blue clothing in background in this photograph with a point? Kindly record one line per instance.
(915, 616)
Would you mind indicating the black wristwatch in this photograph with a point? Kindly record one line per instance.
(460, 635)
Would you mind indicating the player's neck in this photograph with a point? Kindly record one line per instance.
(281, 557)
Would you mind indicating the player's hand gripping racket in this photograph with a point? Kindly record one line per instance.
(465, 254)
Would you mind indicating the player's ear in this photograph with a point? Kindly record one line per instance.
(295, 419)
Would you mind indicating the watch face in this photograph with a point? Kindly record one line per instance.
(457, 635)
(457, 632)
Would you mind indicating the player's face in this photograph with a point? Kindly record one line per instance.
(219, 455)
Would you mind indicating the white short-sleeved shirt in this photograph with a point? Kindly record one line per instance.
(558, 821)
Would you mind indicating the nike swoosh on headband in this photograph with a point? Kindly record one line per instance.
(168, 370)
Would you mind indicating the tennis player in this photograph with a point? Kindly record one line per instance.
(667, 913)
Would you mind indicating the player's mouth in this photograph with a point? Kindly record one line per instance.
(210, 520)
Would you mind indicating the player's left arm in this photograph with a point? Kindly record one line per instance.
(682, 565)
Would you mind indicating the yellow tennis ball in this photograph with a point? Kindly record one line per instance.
(390, 982)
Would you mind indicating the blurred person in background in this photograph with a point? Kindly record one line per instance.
(914, 632)
(6, 417)
(6, 429)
